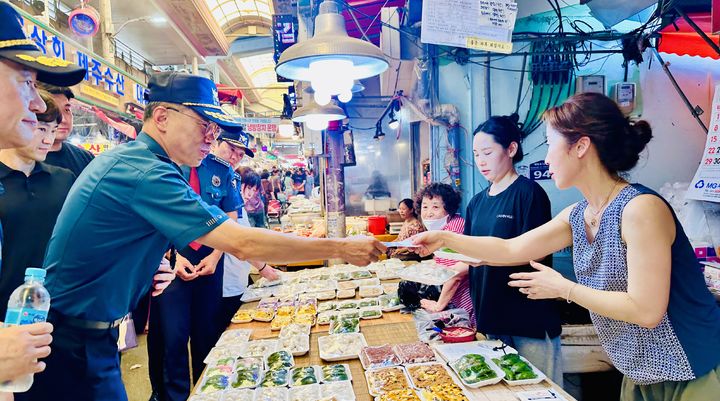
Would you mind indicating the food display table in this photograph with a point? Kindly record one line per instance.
(392, 328)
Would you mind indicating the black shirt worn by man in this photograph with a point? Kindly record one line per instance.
(29, 207)
(71, 157)
(501, 309)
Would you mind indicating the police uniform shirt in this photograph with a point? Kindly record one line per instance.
(119, 218)
(217, 183)
(29, 207)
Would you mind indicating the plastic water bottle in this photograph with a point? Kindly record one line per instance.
(28, 304)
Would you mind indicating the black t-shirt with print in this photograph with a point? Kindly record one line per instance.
(501, 309)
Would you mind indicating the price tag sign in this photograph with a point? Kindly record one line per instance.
(539, 171)
(706, 183)
(489, 45)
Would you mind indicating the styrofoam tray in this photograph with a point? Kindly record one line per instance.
(540, 376)
(248, 349)
(347, 370)
(234, 337)
(304, 393)
(443, 365)
(323, 344)
(453, 352)
(342, 391)
(417, 273)
(376, 393)
(414, 391)
(221, 352)
(316, 369)
(271, 394)
(238, 395)
(500, 375)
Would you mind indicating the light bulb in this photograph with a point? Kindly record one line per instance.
(317, 123)
(345, 96)
(394, 124)
(321, 97)
(332, 76)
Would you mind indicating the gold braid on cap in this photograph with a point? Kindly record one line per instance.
(15, 42)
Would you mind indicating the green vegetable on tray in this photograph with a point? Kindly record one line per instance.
(362, 274)
(369, 302)
(345, 326)
(370, 313)
(515, 368)
(245, 378)
(335, 373)
(275, 378)
(303, 376)
(472, 369)
(448, 250)
(215, 383)
(280, 360)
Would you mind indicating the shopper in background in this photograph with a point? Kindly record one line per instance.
(21, 347)
(288, 185)
(276, 183)
(232, 148)
(510, 206)
(33, 194)
(266, 188)
(438, 204)
(411, 226)
(637, 272)
(118, 221)
(63, 153)
(299, 178)
(309, 183)
(250, 189)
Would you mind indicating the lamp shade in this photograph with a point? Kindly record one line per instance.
(331, 43)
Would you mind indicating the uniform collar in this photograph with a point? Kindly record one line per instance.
(152, 145)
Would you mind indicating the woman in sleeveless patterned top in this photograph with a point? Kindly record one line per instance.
(637, 272)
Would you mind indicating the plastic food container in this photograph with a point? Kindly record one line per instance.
(417, 352)
(282, 359)
(341, 391)
(341, 347)
(457, 335)
(335, 373)
(377, 224)
(383, 380)
(470, 366)
(378, 357)
(343, 326)
(271, 394)
(238, 395)
(372, 312)
(234, 337)
(371, 291)
(308, 392)
(506, 364)
(424, 375)
(304, 375)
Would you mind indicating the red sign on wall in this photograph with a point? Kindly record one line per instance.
(715, 17)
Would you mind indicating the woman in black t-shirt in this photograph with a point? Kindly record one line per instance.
(509, 207)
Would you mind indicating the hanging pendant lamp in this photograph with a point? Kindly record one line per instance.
(331, 60)
(317, 117)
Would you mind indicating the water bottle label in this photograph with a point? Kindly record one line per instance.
(25, 316)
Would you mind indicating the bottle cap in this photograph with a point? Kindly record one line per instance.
(35, 272)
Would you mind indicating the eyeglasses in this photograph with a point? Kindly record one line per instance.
(211, 130)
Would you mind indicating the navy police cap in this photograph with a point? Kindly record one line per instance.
(15, 46)
(238, 139)
(196, 92)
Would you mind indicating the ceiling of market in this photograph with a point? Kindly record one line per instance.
(206, 29)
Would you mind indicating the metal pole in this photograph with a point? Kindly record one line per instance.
(699, 31)
(488, 106)
(680, 92)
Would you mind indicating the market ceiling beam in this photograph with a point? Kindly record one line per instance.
(250, 45)
(196, 22)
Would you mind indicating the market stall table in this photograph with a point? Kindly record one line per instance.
(392, 328)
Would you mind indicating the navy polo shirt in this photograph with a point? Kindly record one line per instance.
(115, 226)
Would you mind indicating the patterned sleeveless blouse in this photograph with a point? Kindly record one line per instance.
(686, 343)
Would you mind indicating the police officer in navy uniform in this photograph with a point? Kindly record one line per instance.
(189, 307)
(121, 215)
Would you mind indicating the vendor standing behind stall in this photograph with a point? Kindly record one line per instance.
(188, 309)
(510, 206)
(118, 221)
(411, 226)
(438, 204)
(637, 272)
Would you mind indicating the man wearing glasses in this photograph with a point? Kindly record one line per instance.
(189, 307)
(120, 217)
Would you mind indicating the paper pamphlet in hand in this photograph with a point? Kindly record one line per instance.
(400, 244)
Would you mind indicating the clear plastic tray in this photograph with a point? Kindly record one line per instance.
(341, 347)
(222, 352)
(440, 368)
(242, 316)
(327, 306)
(344, 326)
(287, 360)
(342, 294)
(316, 375)
(275, 378)
(385, 303)
(400, 394)
(414, 353)
(213, 384)
(295, 329)
(258, 348)
(367, 291)
(365, 313)
(325, 318)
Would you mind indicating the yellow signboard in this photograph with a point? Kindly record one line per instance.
(100, 95)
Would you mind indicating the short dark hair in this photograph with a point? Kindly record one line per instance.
(450, 197)
(505, 131)
(619, 141)
(150, 108)
(249, 177)
(409, 204)
(57, 90)
(265, 175)
(53, 113)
